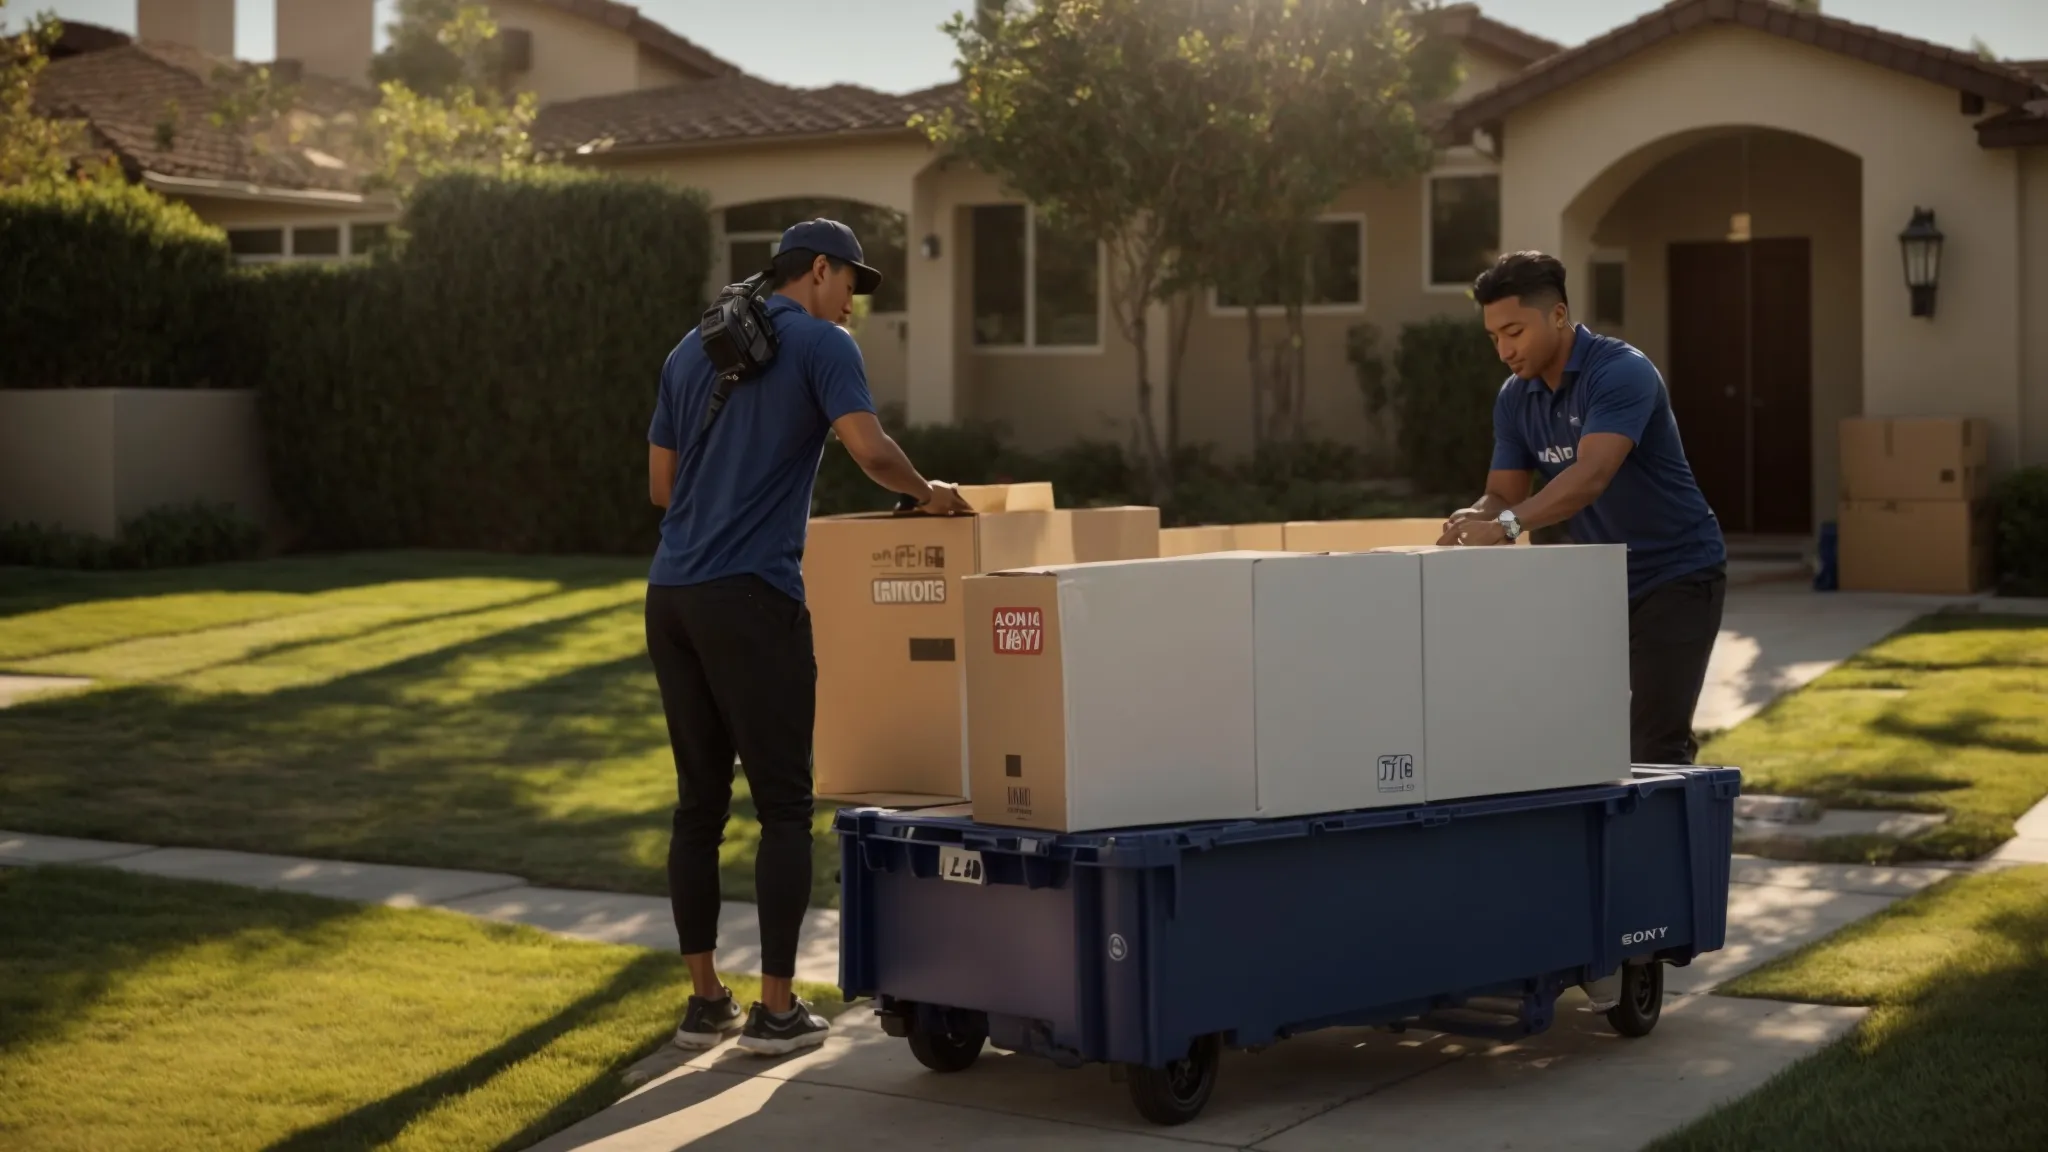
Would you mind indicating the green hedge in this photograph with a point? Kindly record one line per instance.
(2023, 532)
(1439, 390)
(489, 383)
(105, 285)
(166, 536)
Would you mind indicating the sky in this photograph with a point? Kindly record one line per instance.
(896, 45)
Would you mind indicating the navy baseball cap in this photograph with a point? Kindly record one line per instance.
(831, 238)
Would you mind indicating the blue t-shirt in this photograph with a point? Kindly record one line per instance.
(742, 495)
(1652, 504)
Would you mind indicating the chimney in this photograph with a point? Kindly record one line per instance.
(333, 38)
(208, 25)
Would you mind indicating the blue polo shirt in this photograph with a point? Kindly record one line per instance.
(742, 496)
(1653, 504)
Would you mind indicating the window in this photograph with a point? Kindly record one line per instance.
(316, 241)
(1610, 292)
(1034, 285)
(1463, 224)
(1335, 272)
(256, 242)
(752, 232)
(306, 241)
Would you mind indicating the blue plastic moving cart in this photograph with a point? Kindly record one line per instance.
(1129, 947)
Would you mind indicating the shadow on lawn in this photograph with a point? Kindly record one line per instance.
(538, 750)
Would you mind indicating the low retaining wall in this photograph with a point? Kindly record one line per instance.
(87, 459)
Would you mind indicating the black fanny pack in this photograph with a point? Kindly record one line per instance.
(737, 336)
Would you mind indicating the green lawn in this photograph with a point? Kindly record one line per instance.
(1945, 716)
(164, 1015)
(453, 710)
(1954, 1054)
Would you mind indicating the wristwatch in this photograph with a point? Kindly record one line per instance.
(1510, 525)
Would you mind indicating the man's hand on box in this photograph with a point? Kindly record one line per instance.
(945, 500)
(1476, 533)
(1451, 526)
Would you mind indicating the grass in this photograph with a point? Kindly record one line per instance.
(1954, 1053)
(140, 1013)
(447, 710)
(1943, 716)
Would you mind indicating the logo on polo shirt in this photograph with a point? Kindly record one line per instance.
(1556, 455)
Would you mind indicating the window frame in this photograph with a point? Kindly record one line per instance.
(1220, 310)
(1619, 258)
(1030, 346)
(1453, 168)
(290, 227)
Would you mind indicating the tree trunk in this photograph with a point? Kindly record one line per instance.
(1181, 313)
(1298, 340)
(1257, 365)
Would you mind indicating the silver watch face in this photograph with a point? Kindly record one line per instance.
(1512, 525)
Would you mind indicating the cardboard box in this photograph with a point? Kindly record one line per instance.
(1259, 537)
(1365, 535)
(1524, 668)
(1933, 547)
(1340, 682)
(1113, 695)
(1915, 458)
(1195, 541)
(885, 598)
(1130, 533)
(1035, 496)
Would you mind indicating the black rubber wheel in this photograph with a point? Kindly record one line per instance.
(1642, 999)
(956, 1048)
(1178, 1092)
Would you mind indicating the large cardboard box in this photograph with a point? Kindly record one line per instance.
(1195, 541)
(1933, 547)
(1128, 533)
(1113, 695)
(1259, 538)
(1524, 668)
(1035, 496)
(885, 598)
(1340, 682)
(1364, 535)
(1915, 458)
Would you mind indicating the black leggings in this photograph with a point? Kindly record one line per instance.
(1671, 630)
(738, 675)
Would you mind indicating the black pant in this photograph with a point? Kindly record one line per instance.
(737, 674)
(1671, 630)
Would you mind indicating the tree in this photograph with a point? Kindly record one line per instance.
(463, 118)
(33, 148)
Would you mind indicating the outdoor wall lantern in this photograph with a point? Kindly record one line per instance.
(1920, 244)
(930, 246)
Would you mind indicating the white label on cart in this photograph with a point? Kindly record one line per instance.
(1644, 937)
(1397, 773)
(961, 864)
(1118, 949)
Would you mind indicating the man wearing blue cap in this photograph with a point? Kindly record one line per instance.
(727, 629)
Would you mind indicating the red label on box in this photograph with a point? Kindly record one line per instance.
(1020, 631)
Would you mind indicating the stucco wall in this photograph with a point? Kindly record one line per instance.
(2034, 307)
(658, 71)
(572, 57)
(332, 37)
(1791, 186)
(89, 459)
(1581, 147)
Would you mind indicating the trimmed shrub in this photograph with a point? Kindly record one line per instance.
(2023, 532)
(167, 536)
(105, 285)
(1439, 391)
(489, 382)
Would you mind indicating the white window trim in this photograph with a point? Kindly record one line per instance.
(1219, 310)
(1031, 347)
(290, 228)
(1607, 256)
(1461, 168)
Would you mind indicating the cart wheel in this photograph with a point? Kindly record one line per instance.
(1642, 999)
(956, 1048)
(1178, 1092)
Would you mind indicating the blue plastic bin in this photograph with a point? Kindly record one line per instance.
(1130, 947)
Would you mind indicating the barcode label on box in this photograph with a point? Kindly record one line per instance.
(1020, 631)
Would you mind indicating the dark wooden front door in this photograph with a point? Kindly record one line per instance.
(1741, 377)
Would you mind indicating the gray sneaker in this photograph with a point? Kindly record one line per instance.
(770, 1034)
(706, 1023)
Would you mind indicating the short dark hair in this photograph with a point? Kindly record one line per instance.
(792, 263)
(1534, 278)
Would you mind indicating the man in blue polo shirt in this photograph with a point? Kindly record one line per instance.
(1592, 415)
(727, 629)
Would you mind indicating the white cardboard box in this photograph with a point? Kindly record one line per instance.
(1525, 668)
(1114, 694)
(1340, 682)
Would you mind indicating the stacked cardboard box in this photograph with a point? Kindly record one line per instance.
(1303, 536)
(884, 594)
(1250, 684)
(1915, 514)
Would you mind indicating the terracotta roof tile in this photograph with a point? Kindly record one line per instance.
(1963, 71)
(730, 108)
(151, 103)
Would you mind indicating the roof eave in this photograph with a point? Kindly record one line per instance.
(586, 153)
(243, 190)
(2007, 131)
